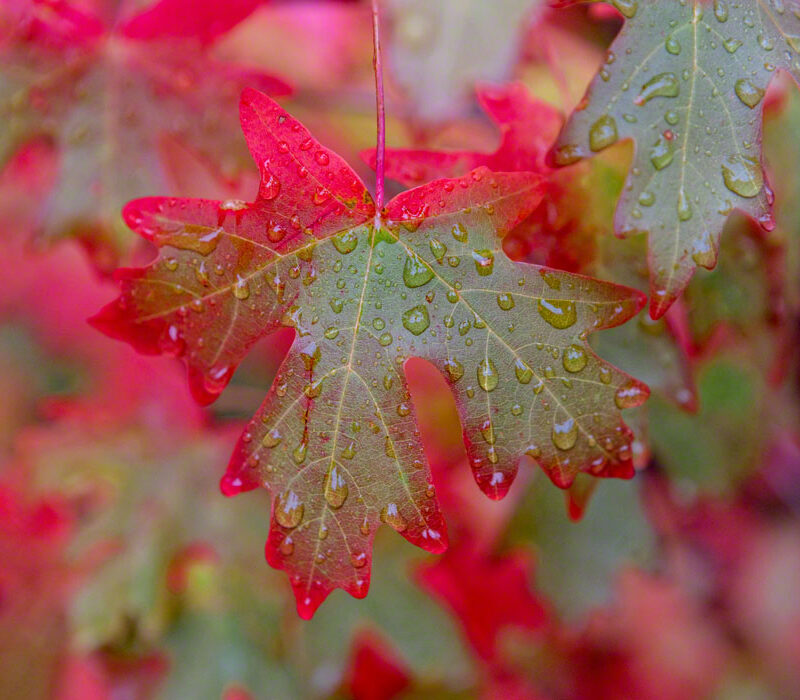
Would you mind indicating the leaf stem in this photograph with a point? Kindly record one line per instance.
(381, 110)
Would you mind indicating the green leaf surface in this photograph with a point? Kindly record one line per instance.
(686, 80)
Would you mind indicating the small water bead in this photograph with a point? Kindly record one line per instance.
(748, 93)
(605, 375)
(452, 296)
(721, 10)
(358, 560)
(337, 305)
(628, 8)
(505, 302)
(288, 509)
(559, 313)
(661, 85)
(516, 410)
(671, 117)
(743, 175)
(310, 354)
(349, 451)
(415, 272)
(703, 251)
(336, 490)
(574, 358)
(565, 434)
(378, 323)
(270, 186)
(331, 332)
(488, 376)
(322, 158)
(647, 199)
(459, 233)
(455, 370)
(345, 242)
(629, 395)
(416, 320)
(603, 133)
(323, 532)
(391, 516)
(241, 290)
(385, 339)
(522, 371)
(403, 410)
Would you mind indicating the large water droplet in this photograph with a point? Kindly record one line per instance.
(484, 262)
(416, 320)
(391, 516)
(523, 372)
(565, 434)
(743, 175)
(603, 133)
(661, 85)
(345, 242)
(438, 249)
(629, 395)
(559, 313)
(748, 93)
(335, 487)
(415, 272)
(574, 358)
(487, 375)
(288, 509)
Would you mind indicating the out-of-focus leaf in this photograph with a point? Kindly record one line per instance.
(453, 44)
(103, 95)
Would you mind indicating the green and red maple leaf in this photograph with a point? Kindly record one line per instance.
(335, 441)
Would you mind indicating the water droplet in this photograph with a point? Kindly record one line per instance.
(415, 272)
(574, 358)
(743, 175)
(358, 560)
(241, 289)
(388, 448)
(385, 339)
(322, 158)
(288, 509)
(403, 410)
(684, 206)
(662, 152)
(661, 85)
(629, 395)
(459, 233)
(748, 93)
(345, 242)
(455, 370)
(487, 431)
(484, 262)
(335, 487)
(270, 186)
(337, 305)
(310, 354)
(438, 249)
(565, 434)
(559, 313)
(331, 332)
(287, 546)
(523, 372)
(603, 133)
(487, 375)
(626, 7)
(732, 45)
(672, 45)
(721, 10)
(271, 439)
(391, 516)
(416, 320)
(299, 453)
(505, 301)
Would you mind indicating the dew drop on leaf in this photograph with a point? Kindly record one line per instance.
(742, 175)
(336, 490)
(565, 434)
(415, 272)
(416, 320)
(574, 358)
(603, 133)
(629, 395)
(391, 516)
(559, 313)
(288, 509)
(488, 377)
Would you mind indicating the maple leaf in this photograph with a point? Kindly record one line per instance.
(335, 440)
(105, 97)
(686, 81)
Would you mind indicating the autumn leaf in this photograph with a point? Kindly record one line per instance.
(686, 81)
(335, 440)
(106, 95)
